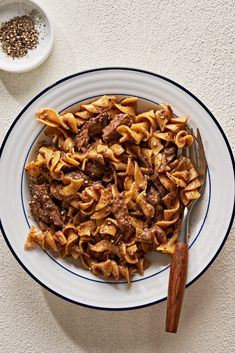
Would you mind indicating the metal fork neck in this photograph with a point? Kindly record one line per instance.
(183, 235)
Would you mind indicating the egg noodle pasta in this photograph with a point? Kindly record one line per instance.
(108, 186)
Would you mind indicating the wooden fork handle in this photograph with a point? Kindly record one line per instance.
(176, 286)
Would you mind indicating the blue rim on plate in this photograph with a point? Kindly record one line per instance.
(148, 73)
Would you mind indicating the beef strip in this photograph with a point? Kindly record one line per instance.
(153, 196)
(96, 124)
(149, 233)
(170, 153)
(110, 135)
(91, 128)
(121, 214)
(158, 185)
(145, 164)
(94, 169)
(158, 214)
(42, 207)
(82, 139)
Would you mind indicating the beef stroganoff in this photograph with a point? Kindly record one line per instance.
(109, 186)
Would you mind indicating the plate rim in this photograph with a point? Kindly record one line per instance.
(147, 73)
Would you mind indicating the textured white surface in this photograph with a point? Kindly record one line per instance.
(190, 42)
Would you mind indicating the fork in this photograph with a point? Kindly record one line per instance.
(179, 261)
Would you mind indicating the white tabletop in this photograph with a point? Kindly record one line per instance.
(191, 43)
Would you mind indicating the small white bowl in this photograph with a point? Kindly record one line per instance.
(35, 57)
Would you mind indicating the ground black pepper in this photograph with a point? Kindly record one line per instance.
(19, 35)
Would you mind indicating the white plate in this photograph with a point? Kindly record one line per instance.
(8, 10)
(211, 220)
